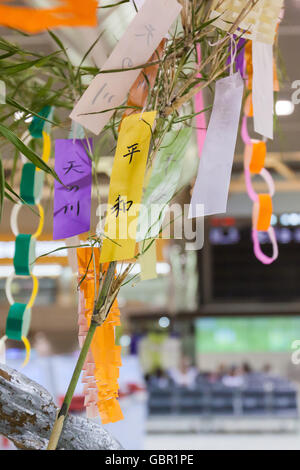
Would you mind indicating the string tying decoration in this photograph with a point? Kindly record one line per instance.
(101, 368)
(31, 186)
(254, 164)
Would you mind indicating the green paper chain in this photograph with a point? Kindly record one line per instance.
(19, 315)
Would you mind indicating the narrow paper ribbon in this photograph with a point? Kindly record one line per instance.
(214, 172)
(263, 95)
(108, 90)
(199, 106)
(72, 202)
(126, 187)
(162, 183)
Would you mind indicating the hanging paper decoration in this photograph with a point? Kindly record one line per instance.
(262, 88)
(19, 315)
(72, 201)
(162, 183)
(126, 187)
(101, 368)
(199, 107)
(260, 22)
(35, 20)
(109, 90)
(214, 172)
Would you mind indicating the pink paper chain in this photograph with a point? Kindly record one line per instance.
(265, 174)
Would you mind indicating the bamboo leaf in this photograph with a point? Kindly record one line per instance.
(27, 152)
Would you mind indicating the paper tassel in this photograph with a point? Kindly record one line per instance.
(260, 22)
(101, 368)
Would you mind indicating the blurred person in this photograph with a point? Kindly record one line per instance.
(246, 368)
(159, 379)
(234, 378)
(185, 375)
(42, 345)
(218, 374)
(267, 369)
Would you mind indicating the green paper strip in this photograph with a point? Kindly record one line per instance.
(31, 184)
(24, 254)
(37, 125)
(163, 182)
(18, 321)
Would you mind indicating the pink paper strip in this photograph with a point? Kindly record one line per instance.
(199, 106)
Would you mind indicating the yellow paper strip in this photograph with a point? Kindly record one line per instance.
(148, 260)
(126, 187)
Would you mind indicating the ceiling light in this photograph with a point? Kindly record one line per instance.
(284, 108)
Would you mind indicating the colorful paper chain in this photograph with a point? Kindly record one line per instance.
(254, 162)
(101, 368)
(19, 314)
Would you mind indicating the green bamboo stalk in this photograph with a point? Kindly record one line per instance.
(63, 412)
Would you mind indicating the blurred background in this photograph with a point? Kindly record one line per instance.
(207, 346)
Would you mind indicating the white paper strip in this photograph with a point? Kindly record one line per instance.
(262, 88)
(213, 179)
(136, 46)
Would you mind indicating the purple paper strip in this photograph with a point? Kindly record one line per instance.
(240, 57)
(72, 204)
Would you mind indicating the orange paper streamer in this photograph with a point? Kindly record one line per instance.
(248, 108)
(33, 20)
(265, 212)
(249, 68)
(259, 151)
(139, 91)
(101, 368)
